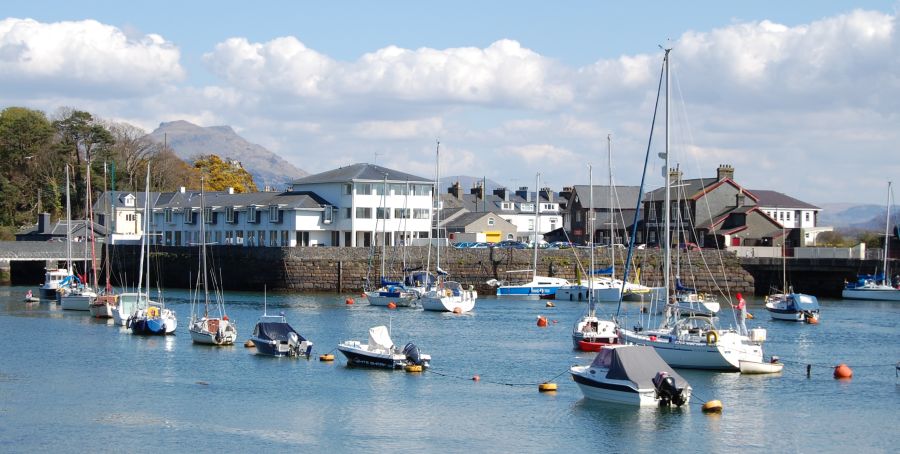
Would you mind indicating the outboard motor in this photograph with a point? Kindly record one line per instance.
(412, 354)
(667, 390)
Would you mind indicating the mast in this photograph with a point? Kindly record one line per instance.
(668, 200)
(384, 217)
(612, 233)
(108, 234)
(68, 225)
(783, 262)
(146, 228)
(887, 238)
(590, 221)
(90, 224)
(203, 271)
(437, 216)
(537, 220)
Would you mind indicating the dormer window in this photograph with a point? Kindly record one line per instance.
(507, 206)
(527, 207)
(128, 200)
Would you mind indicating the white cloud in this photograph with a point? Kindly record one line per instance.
(83, 58)
(409, 129)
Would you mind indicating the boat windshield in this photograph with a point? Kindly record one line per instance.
(603, 358)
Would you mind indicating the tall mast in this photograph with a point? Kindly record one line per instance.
(384, 217)
(203, 252)
(68, 225)
(437, 202)
(537, 220)
(146, 229)
(108, 233)
(668, 200)
(590, 222)
(612, 232)
(887, 238)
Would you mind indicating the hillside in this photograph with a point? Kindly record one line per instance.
(189, 141)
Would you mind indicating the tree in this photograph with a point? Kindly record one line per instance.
(25, 140)
(833, 239)
(81, 136)
(221, 175)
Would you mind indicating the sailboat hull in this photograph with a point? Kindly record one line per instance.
(434, 301)
(213, 331)
(78, 301)
(401, 299)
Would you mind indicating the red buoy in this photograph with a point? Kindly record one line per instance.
(457, 310)
(391, 305)
(843, 371)
(348, 301)
(541, 321)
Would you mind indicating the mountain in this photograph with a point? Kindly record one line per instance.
(188, 141)
(852, 216)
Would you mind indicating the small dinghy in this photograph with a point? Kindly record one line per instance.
(30, 298)
(381, 352)
(758, 367)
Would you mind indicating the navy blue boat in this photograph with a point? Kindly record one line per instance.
(273, 336)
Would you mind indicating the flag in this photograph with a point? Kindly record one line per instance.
(741, 302)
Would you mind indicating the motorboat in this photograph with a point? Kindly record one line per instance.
(592, 333)
(449, 296)
(794, 307)
(129, 304)
(273, 336)
(381, 352)
(538, 287)
(772, 366)
(155, 319)
(52, 279)
(632, 375)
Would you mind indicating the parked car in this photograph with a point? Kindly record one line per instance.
(463, 245)
(560, 245)
(511, 244)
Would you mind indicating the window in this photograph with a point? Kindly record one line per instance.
(578, 216)
(285, 241)
(348, 213)
(401, 213)
(379, 189)
(531, 224)
(421, 189)
(273, 237)
(328, 214)
(399, 189)
(383, 213)
(207, 215)
(806, 216)
(552, 224)
(490, 222)
(229, 215)
(506, 206)
(348, 189)
(274, 213)
(420, 213)
(168, 214)
(363, 213)
(527, 207)
(188, 216)
(251, 215)
(335, 238)
(788, 214)
(363, 188)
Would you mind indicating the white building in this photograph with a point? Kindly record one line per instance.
(791, 214)
(516, 207)
(349, 206)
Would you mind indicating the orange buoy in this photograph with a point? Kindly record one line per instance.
(843, 371)
(249, 344)
(812, 319)
(749, 316)
(541, 321)
(457, 310)
(328, 357)
(475, 378)
(547, 387)
(712, 406)
(550, 304)
(413, 368)
(348, 301)
(391, 305)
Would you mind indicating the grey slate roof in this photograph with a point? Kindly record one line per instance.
(775, 199)
(191, 199)
(623, 196)
(361, 172)
(491, 203)
(58, 229)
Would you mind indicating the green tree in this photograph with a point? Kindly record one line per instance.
(221, 175)
(25, 140)
(81, 137)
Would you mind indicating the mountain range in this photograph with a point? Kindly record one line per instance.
(189, 141)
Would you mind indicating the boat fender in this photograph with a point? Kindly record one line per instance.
(712, 338)
(447, 292)
(128, 322)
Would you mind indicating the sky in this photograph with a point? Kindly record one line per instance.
(799, 97)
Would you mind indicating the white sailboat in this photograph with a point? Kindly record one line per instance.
(80, 296)
(54, 278)
(389, 291)
(789, 305)
(132, 302)
(208, 329)
(695, 342)
(108, 299)
(445, 296)
(876, 287)
(540, 286)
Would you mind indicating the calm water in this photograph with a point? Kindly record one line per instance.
(70, 383)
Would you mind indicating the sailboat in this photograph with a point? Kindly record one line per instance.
(206, 329)
(54, 277)
(108, 299)
(591, 333)
(540, 286)
(789, 305)
(389, 291)
(81, 296)
(877, 286)
(445, 295)
(694, 342)
(153, 318)
(131, 303)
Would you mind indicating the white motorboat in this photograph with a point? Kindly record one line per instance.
(381, 352)
(632, 375)
(52, 279)
(761, 367)
(273, 336)
(793, 307)
(129, 304)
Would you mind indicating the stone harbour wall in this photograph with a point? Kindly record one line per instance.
(327, 269)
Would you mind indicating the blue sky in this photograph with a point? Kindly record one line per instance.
(800, 97)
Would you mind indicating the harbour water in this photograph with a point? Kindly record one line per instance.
(69, 383)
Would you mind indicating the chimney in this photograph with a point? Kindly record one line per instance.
(724, 171)
(478, 190)
(675, 175)
(503, 193)
(43, 222)
(230, 190)
(456, 190)
(566, 192)
(739, 198)
(524, 193)
(181, 189)
(547, 193)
